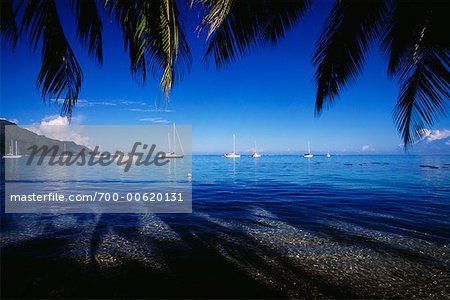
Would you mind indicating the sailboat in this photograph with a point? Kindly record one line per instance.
(328, 153)
(173, 152)
(233, 154)
(309, 154)
(256, 154)
(64, 154)
(11, 152)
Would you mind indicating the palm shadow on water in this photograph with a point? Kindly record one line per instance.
(211, 264)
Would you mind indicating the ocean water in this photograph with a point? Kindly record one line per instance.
(272, 227)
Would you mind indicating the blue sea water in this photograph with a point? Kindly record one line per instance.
(271, 227)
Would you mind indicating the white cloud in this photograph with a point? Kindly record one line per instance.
(434, 135)
(55, 120)
(150, 110)
(127, 102)
(366, 148)
(10, 120)
(58, 127)
(82, 103)
(88, 103)
(155, 120)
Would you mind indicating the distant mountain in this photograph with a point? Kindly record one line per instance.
(25, 139)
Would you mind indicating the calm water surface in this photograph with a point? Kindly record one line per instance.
(273, 227)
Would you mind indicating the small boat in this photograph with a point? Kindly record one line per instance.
(65, 153)
(233, 154)
(256, 154)
(11, 152)
(173, 152)
(328, 153)
(309, 154)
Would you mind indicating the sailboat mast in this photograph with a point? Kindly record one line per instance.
(174, 144)
(309, 148)
(168, 139)
(234, 143)
(256, 148)
(17, 152)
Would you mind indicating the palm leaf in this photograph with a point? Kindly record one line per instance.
(236, 26)
(89, 26)
(60, 74)
(155, 39)
(342, 47)
(416, 41)
(128, 14)
(8, 26)
(167, 45)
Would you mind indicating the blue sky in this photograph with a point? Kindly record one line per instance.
(267, 96)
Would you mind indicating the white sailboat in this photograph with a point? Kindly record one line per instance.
(11, 152)
(233, 154)
(64, 154)
(309, 154)
(173, 152)
(256, 154)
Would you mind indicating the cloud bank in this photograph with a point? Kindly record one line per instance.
(58, 128)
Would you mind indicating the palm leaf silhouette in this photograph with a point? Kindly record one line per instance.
(414, 37)
(8, 27)
(235, 27)
(342, 47)
(60, 74)
(89, 26)
(416, 42)
(154, 39)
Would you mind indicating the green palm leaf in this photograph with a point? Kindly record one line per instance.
(154, 38)
(60, 74)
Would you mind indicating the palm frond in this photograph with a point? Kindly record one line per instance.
(8, 26)
(128, 14)
(416, 41)
(236, 26)
(424, 95)
(89, 26)
(155, 39)
(168, 41)
(60, 74)
(342, 47)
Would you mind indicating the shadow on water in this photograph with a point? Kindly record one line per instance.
(204, 265)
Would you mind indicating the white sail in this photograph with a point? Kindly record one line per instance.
(309, 154)
(11, 151)
(173, 147)
(255, 153)
(233, 154)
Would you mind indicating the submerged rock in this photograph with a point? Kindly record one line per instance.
(429, 166)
